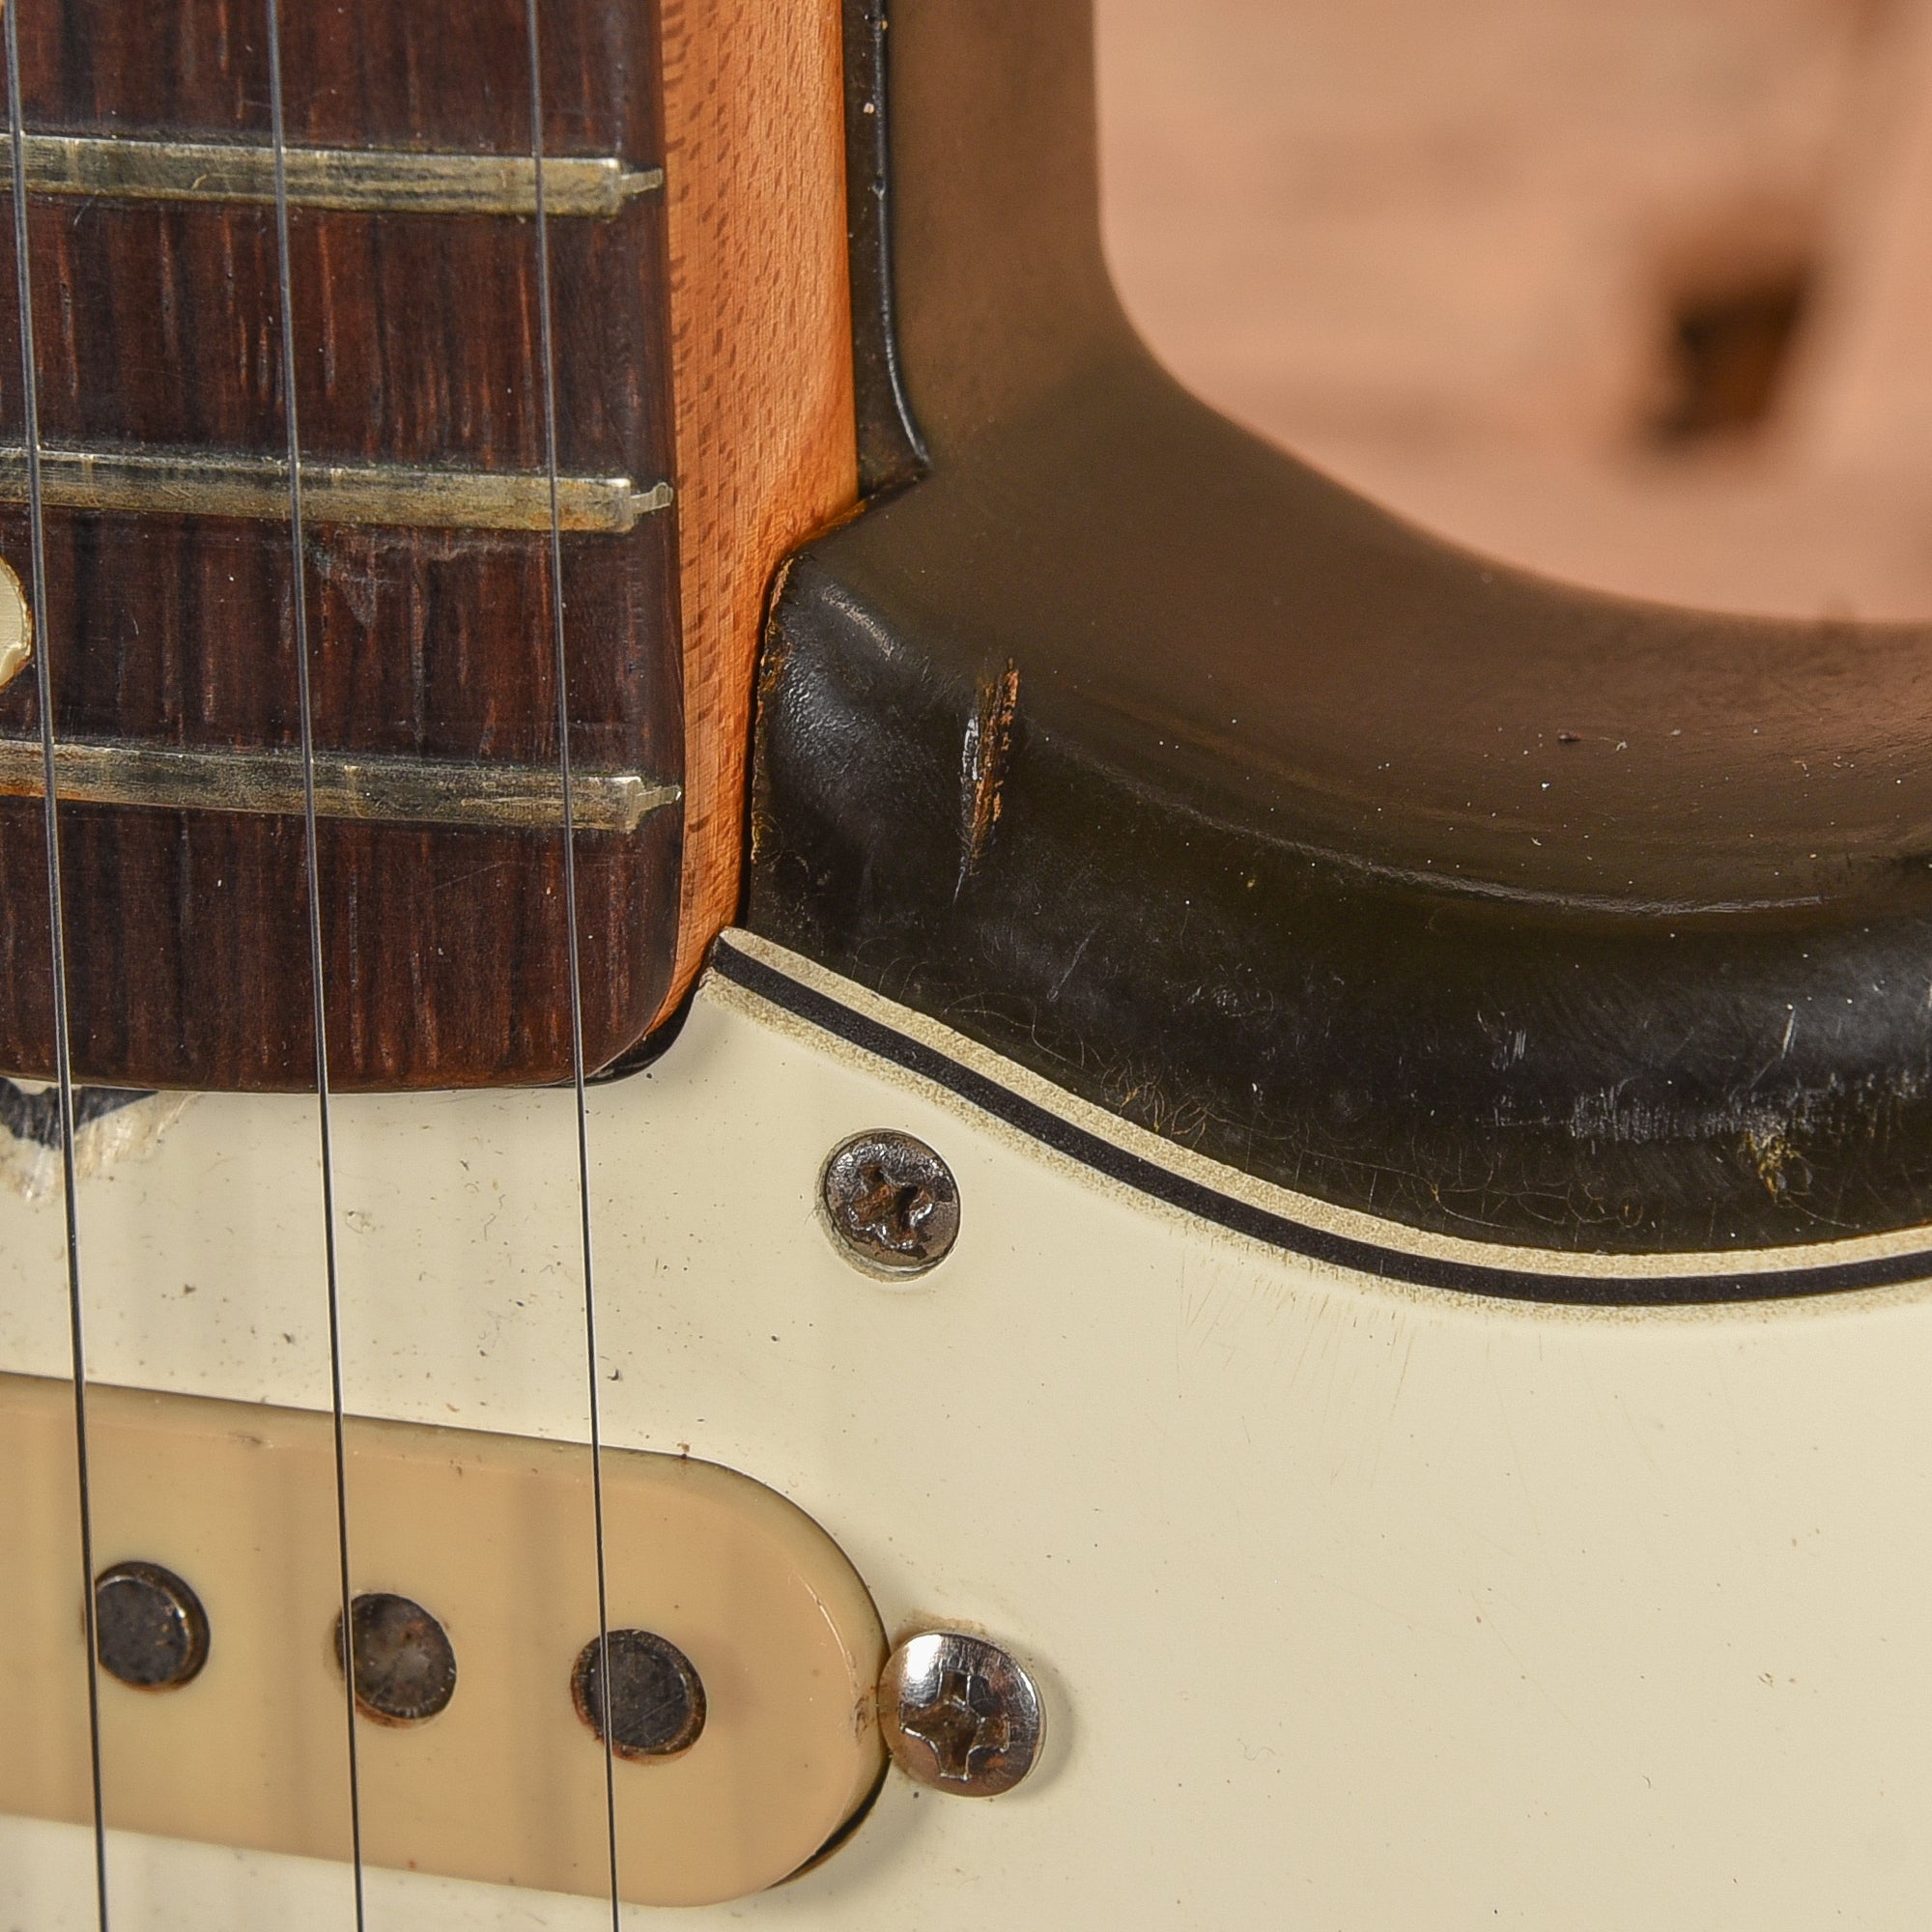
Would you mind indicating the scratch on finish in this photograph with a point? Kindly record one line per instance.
(988, 747)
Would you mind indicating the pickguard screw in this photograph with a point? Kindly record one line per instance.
(959, 1713)
(657, 1699)
(404, 1666)
(891, 1204)
(150, 1629)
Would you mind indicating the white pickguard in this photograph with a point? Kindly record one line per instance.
(1354, 1604)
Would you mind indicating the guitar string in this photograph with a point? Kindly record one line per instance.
(546, 351)
(299, 599)
(63, 1057)
(42, 642)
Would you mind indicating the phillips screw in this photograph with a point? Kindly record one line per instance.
(959, 1713)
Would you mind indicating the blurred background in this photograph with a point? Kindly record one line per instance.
(1634, 293)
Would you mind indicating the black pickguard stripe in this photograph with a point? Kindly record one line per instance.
(1244, 1217)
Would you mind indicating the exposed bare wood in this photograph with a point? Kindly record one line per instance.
(761, 369)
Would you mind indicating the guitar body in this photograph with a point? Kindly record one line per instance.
(1375, 1326)
(1412, 1605)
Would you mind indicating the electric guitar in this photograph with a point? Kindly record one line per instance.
(817, 1119)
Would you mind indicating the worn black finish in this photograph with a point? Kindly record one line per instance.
(657, 1698)
(1133, 748)
(150, 1629)
(1379, 1248)
(404, 1664)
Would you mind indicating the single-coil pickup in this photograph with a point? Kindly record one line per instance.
(741, 1649)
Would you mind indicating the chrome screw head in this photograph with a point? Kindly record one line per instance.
(150, 1629)
(959, 1713)
(891, 1204)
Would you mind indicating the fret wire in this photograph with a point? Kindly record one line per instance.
(122, 167)
(374, 790)
(299, 599)
(57, 946)
(247, 484)
(548, 374)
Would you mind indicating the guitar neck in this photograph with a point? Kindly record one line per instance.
(332, 397)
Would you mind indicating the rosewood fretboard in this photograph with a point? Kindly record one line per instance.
(170, 629)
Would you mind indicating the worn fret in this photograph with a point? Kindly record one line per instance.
(387, 791)
(256, 487)
(361, 179)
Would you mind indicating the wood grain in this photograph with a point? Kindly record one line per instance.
(702, 335)
(762, 360)
(416, 342)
